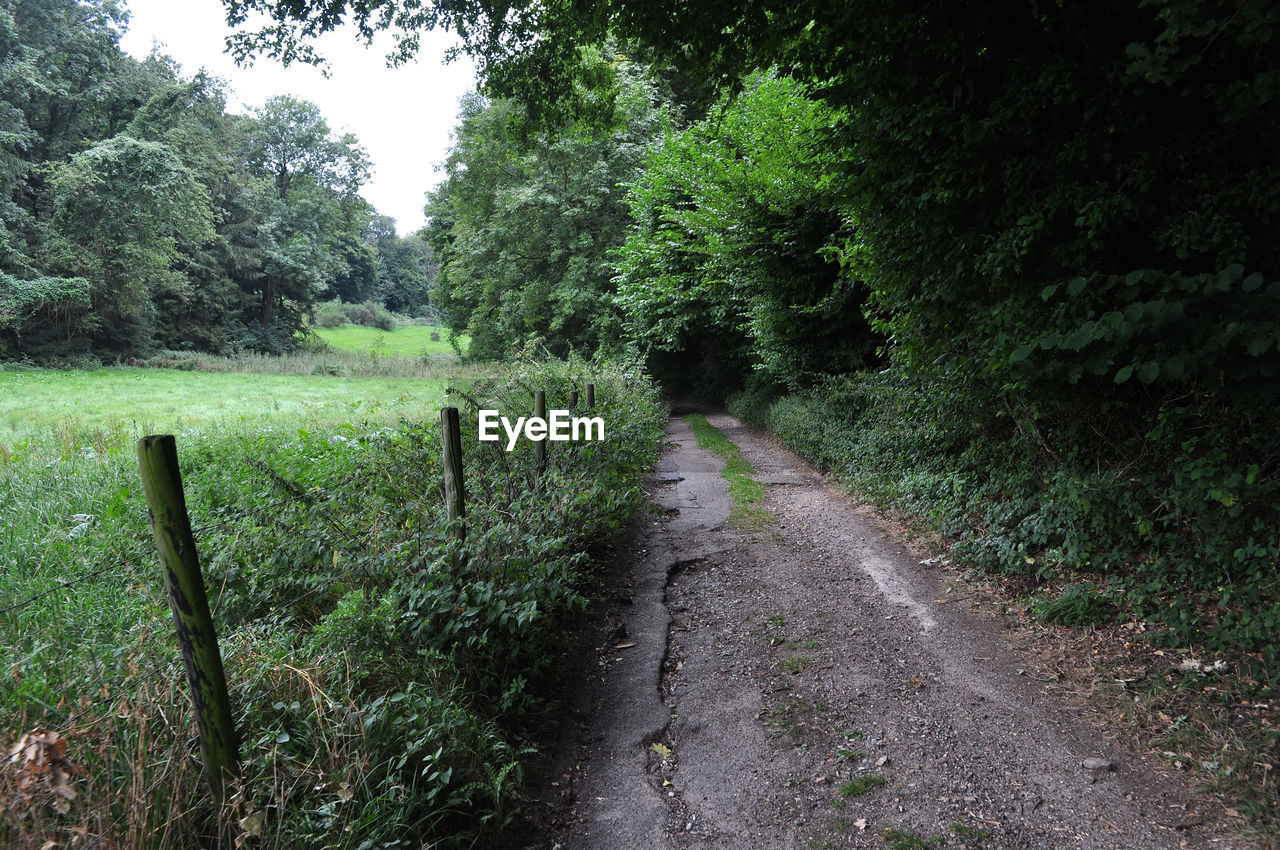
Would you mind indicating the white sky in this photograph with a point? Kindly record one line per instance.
(403, 117)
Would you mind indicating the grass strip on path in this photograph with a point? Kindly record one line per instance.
(747, 493)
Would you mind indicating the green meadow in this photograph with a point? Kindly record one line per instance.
(407, 341)
(72, 406)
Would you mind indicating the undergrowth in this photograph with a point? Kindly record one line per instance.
(381, 668)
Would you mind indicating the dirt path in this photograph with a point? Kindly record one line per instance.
(814, 685)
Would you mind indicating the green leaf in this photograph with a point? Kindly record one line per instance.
(1258, 343)
(1252, 283)
(1125, 373)
(1076, 286)
(1149, 371)
(1021, 353)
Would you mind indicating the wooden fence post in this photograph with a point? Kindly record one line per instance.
(540, 411)
(171, 527)
(591, 396)
(455, 498)
(573, 399)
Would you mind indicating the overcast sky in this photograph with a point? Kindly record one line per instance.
(403, 117)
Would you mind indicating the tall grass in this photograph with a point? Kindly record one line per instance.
(374, 665)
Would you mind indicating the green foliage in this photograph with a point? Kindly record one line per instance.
(381, 671)
(136, 213)
(333, 314)
(734, 218)
(525, 225)
(119, 212)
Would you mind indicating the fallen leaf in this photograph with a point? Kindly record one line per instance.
(662, 750)
(861, 824)
(252, 824)
(624, 646)
(882, 761)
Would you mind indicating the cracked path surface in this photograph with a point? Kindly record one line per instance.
(814, 684)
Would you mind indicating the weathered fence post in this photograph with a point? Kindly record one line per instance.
(573, 399)
(455, 499)
(171, 527)
(540, 411)
(591, 396)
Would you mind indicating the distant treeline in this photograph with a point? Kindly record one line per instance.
(136, 212)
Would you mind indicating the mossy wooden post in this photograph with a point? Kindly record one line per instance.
(171, 527)
(540, 411)
(591, 396)
(455, 499)
(573, 399)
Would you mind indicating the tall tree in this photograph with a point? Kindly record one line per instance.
(311, 174)
(527, 225)
(730, 256)
(120, 210)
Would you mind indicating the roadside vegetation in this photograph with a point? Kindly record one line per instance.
(1009, 272)
(382, 672)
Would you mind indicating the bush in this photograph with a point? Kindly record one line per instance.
(329, 314)
(1176, 510)
(332, 314)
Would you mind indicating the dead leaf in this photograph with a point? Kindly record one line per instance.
(252, 823)
(662, 750)
(623, 645)
(882, 761)
(345, 793)
(861, 824)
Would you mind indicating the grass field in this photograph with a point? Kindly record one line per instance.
(83, 614)
(70, 406)
(411, 340)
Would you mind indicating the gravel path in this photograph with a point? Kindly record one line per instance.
(815, 685)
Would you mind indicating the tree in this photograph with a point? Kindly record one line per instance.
(312, 177)
(120, 210)
(527, 225)
(404, 267)
(730, 254)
